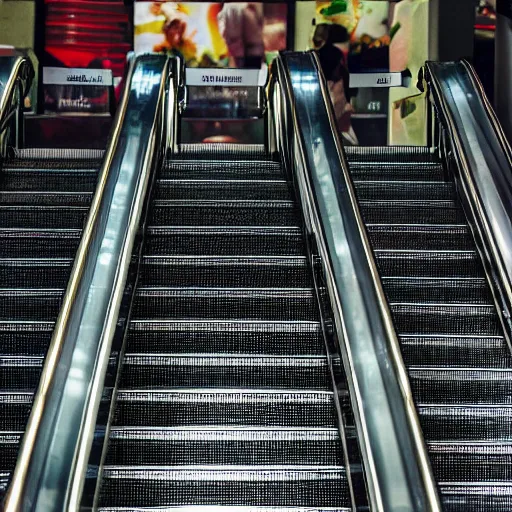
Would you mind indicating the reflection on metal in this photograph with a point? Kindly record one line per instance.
(484, 160)
(398, 473)
(16, 75)
(503, 65)
(53, 459)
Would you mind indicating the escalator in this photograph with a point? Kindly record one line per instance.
(224, 396)
(44, 200)
(452, 342)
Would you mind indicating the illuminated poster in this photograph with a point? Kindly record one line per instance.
(89, 35)
(212, 34)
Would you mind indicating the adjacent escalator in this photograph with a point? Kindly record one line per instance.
(44, 200)
(459, 364)
(225, 395)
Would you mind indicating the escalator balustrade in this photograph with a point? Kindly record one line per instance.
(459, 364)
(224, 395)
(44, 200)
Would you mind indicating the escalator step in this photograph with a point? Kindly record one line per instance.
(14, 410)
(476, 497)
(471, 462)
(211, 169)
(417, 263)
(54, 158)
(222, 151)
(228, 303)
(181, 407)
(224, 241)
(9, 446)
(233, 337)
(479, 351)
(466, 422)
(20, 373)
(221, 213)
(404, 190)
(25, 338)
(27, 217)
(412, 212)
(446, 319)
(387, 171)
(153, 371)
(226, 446)
(461, 385)
(225, 508)
(222, 189)
(264, 486)
(35, 272)
(49, 180)
(42, 198)
(441, 290)
(42, 243)
(224, 271)
(22, 304)
(420, 237)
(401, 154)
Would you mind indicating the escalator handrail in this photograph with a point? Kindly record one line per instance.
(52, 464)
(484, 160)
(16, 74)
(397, 468)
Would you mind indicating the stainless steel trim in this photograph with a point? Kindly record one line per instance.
(16, 74)
(396, 463)
(53, 459)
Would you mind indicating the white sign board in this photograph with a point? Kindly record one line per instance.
(227, 77)
(77, 76)
(362, 80)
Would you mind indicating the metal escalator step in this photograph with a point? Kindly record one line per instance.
(26, 217)
(42, 198)
(215, 169)
(20, 373)
(479, 351)
(226, 303)
(461, 385)
(35, 272)
(221, 213)
(402, 154)
(43, 243)
(404, 190)
(25, 338)
(58, 156)
(420, 237)
(399, 171)
(231, 337)
(9, 447)
(153, 371)
(412, 212)
(222, 508)
(15, 408)
(222, 151)
(441, 290)
(242, 407)
(416, 263)
(226, 446)
(224, 271)
(476, 497)
(232, 485)
(5, 478)
(222, 189)
(471, 462)
(414, 318)
(224, 241)
(469, 422)
(56, 180)
(33, 304)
